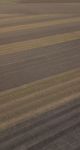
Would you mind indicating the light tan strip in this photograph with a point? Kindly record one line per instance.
(68, 90)
(36, 94)
(7, 15)
(38, 25)
(39, 111)
(30, 88)
(38, 43)
(27, 17)
(29, 102)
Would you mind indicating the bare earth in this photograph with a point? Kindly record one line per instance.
(40, 76)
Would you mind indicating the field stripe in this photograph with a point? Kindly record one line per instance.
(53, 91)
(39, 25)
(37, 86)
(38, 43)
(29, 102)
(3, 16)
(18, 17)
(40, 110)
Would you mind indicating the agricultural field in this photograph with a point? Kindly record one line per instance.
(39, 76)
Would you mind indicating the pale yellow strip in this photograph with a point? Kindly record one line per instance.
(39, 111)
(30, 102)
(38, 25)
(62, 93)
(8, 15)
(38, 43)
(37, 86)
(27, 17)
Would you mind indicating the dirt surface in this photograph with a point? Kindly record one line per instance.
(40, 8)
(40, 76)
